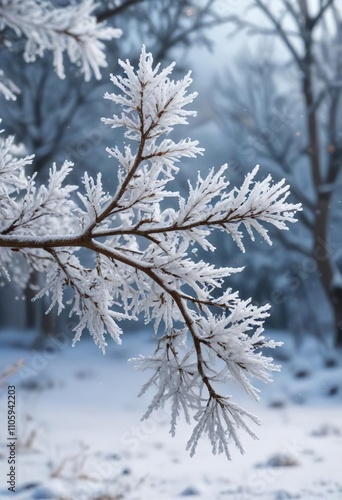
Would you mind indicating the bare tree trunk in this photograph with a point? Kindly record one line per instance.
(321, 253)
(306, 16)
(336, 301)
(323, 258)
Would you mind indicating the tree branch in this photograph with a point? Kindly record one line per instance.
(281, 32)
(115, 11)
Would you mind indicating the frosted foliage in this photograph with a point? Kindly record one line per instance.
(143, 265)
(73, 30)
(7, 88)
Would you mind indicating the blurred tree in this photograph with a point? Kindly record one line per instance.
(287, 110)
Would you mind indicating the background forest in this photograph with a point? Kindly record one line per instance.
(269, 78)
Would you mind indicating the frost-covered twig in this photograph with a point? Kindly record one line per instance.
(73, 30)
(142, 254)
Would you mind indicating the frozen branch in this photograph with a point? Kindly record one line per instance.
(142, 259)
(73, 30)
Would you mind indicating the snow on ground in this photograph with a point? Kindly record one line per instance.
(80, 436)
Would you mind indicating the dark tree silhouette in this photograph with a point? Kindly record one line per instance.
(301, 88)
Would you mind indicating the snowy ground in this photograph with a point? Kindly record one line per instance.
(80, 434)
